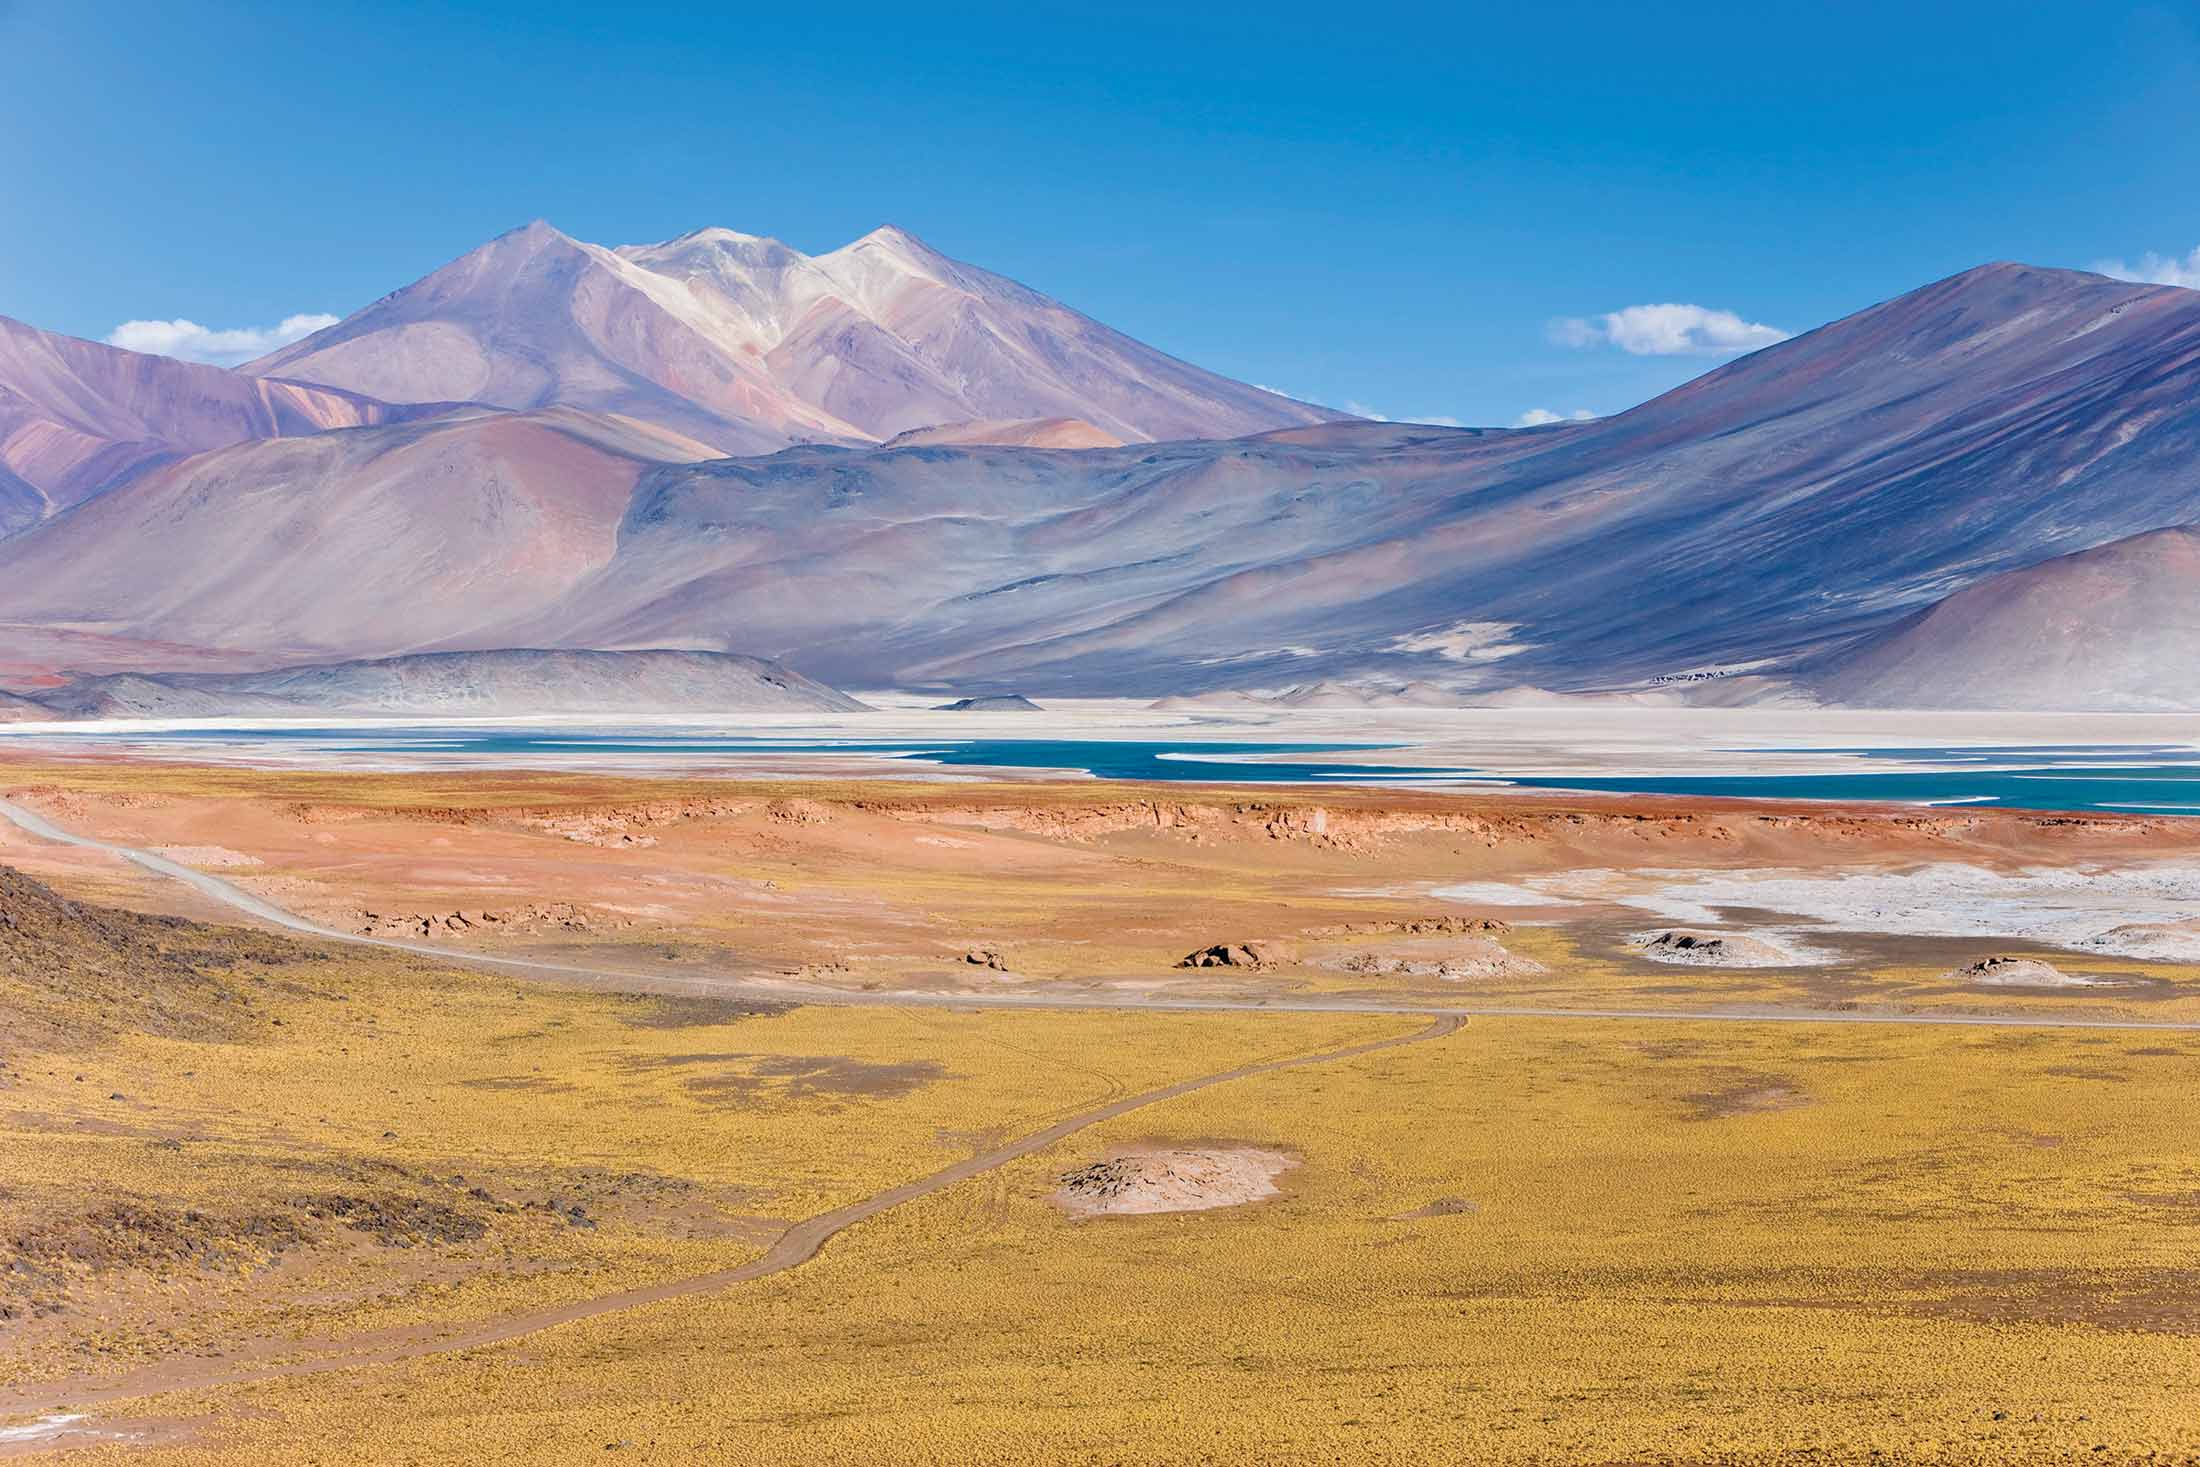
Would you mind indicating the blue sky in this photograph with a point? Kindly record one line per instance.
(1427, 211)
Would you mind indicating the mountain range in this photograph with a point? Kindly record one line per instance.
(889, 468)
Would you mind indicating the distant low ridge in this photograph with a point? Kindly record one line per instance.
(1019, 433)
(500, 683)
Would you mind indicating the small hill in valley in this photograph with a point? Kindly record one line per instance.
(2117, 626)
(991, 703)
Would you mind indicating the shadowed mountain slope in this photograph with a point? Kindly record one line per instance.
(1796, 498)
(14, 709)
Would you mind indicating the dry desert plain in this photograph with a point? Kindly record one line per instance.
(855, 1121)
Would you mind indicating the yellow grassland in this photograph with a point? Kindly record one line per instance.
(687, 1134)
(1532, 1241)
(1668, 1243)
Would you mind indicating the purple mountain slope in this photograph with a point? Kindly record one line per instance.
(384, 538)
(76, 415)
(1790, 500)
(749, 346)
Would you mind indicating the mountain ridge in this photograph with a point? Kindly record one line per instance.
(749, 345)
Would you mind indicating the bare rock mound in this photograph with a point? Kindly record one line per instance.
(531, 920)
(991, 703)
(2008, 972)
(1173, 1179)
(1711, 949)
(1449, 926)
(1453, 961)
(1228, 955)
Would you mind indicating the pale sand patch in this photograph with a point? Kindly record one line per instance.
(1493, 894)
(207, 858)
(1172, 1179)
(72, 1430)
(45, 1428)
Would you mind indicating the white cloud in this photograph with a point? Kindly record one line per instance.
(1666, 331)
(1537, 417)
(1362, 410)
(1373, 415)
(2157, 269)
(195, 343)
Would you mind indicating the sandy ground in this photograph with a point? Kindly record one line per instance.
(1096, 890)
